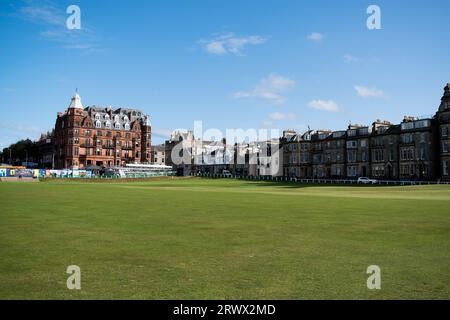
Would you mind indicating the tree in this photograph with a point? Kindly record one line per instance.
(21, 151)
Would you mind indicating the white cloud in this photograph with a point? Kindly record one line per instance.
(351, 59)
(15, 128)
(161, 132)
(47, 14)
(348, 58)
(267, 124)
(278, 116)
(53, 16)
(325, 105)
(230, 44)
(215, 47)
(7, 89)
(269, 88)
(315, 36)
(368, 92)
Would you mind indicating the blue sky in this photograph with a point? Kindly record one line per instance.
(232, 64)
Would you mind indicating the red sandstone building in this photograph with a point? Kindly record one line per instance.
(99, 136)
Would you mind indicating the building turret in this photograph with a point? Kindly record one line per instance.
(75, 103)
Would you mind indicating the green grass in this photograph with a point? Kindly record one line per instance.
(223, 239)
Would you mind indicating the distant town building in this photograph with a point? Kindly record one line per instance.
(45, 150)
(158, 154)
(443, 119)
(415, 149)
(189, 155)
(101, 136)
(196, 156)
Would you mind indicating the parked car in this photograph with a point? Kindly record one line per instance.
(227, 173)
(365, 180)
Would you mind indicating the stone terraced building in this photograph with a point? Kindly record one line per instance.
(415, 149)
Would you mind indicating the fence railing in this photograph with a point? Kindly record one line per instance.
(320, 181)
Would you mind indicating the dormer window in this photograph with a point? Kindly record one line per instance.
(407, 125)
(127, 126)
(116, 118)
(107, 124)
(125, 118)
(117, 126)
(97, 116)
(382, 129)
(364, 131)
(106, 116)
(98, 124)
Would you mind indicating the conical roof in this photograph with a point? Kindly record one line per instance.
(76, 102)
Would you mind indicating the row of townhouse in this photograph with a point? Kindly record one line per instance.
(417, 149)
(383, 150)
(188, 156)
